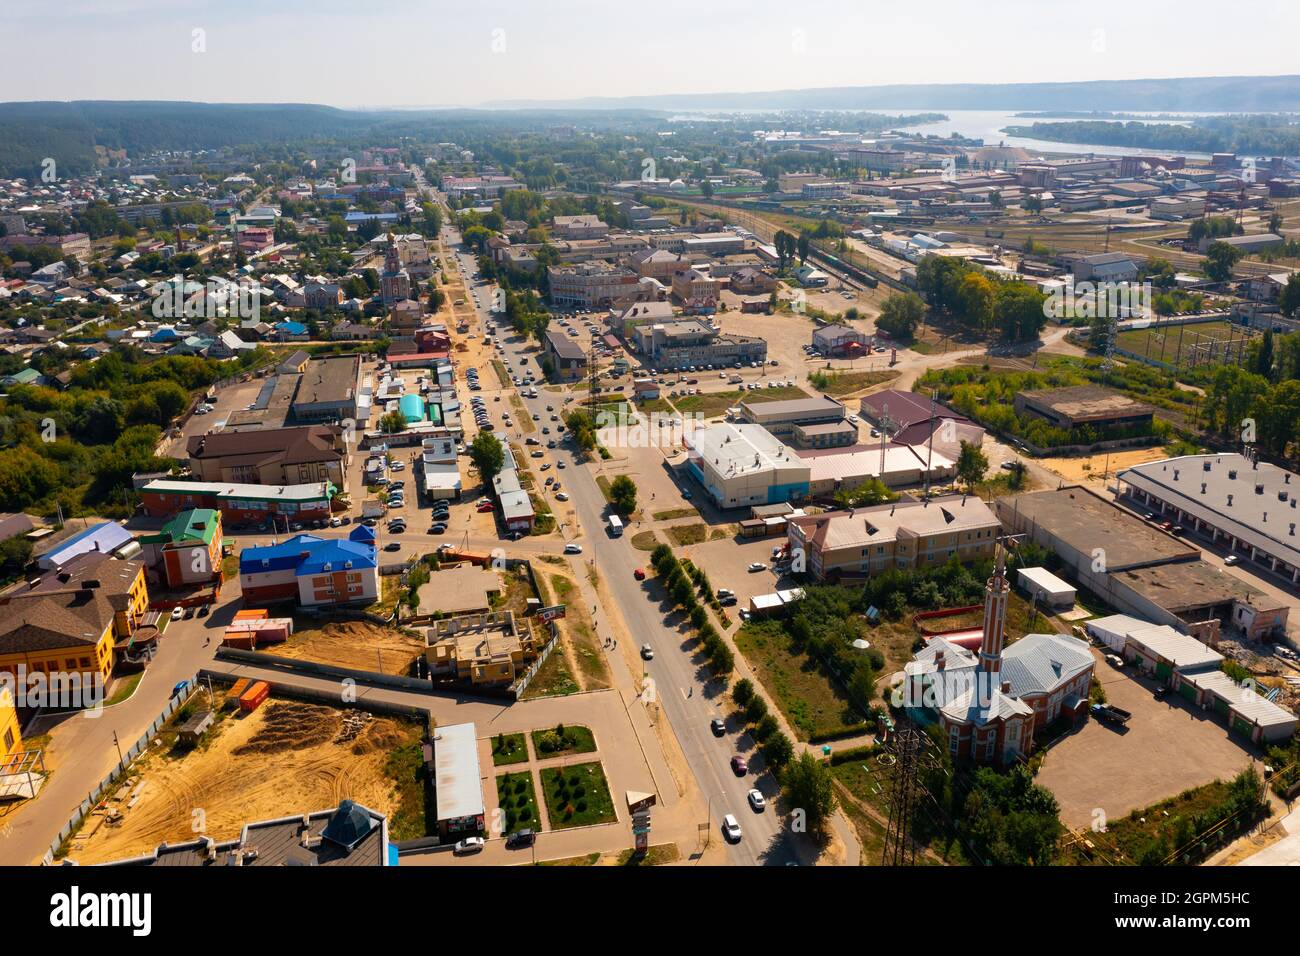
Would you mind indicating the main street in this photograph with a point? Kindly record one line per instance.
(679, 687)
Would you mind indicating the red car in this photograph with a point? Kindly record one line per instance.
(639, 574)
(739, 766)
(484, 508)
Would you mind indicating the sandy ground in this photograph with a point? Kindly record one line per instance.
(283, 759)
(1089, 467)
(352, 644)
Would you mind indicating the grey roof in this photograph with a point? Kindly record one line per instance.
(1040, 663)
(1263, 512)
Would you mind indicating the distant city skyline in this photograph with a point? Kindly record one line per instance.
(429, 53)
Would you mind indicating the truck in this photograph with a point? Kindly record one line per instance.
(615, 526)
(372, 508)
(1111, 713)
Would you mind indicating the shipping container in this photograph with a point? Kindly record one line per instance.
(252, 698)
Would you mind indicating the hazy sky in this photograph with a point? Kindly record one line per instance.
(434, 53)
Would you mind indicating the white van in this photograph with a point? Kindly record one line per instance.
(615, 526)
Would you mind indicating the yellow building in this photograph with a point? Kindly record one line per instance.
(906, 535)
(72, 620)
(11, 737)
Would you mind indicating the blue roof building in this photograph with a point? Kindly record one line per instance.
(312, 569)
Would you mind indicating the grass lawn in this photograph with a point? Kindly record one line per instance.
(591, 859)
(715, 403)
(675, 513)
(577, 796)
(810, 701)
(553, 679)
(508, 749)
(660, 855)
(845, 383)
(685, 534)
(124, 688)
(645, 541)
(577, 739)
(518, 801)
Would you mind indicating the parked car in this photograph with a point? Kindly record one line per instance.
(469, 845)
(639, 574)
(756, 801)
(393, 546)
(521, 838)
(758, 566)
(731, 829)
(718, 726)
(572, 548)
(1232, 559)
(178, 612)
(647, 652)
(739, 765)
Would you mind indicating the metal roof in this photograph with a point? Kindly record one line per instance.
(456, 772)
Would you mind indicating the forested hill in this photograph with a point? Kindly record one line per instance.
(69, 132)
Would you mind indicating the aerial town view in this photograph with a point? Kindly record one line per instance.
(680, 436)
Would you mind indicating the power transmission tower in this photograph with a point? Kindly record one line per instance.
(905, 793)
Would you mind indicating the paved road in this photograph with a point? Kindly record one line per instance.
(684, 694)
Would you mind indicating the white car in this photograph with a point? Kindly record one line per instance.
(731, 828)
(468, 845)
(178, 612)
(756, 801)
(573, 549)
(758, 566)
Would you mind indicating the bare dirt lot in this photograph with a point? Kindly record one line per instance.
(1090, 467)
(353, 644)
(1167, 747)
(285, 758)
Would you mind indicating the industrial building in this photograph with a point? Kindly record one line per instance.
(1247, 506)
(781, 418)
(742, 465)
(914, 420)
(1136, 567)
(1079, 405)
(896, 465)
(1046, 588)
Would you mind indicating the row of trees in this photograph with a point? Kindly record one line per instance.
(1244, 406)
(965, 292)
(683, 583)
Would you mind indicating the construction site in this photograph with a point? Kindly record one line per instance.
(283, 758)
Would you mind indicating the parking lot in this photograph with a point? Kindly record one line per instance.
(230, 399)
(1168, 746)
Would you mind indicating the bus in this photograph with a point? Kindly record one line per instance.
(615, 526)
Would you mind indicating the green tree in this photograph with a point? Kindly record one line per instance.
(1219, 260)
(901, 314)
(487, 454)
(392, 423)
(972, 465)
(809, 787)
(622, 494)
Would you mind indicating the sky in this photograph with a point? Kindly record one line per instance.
(383, 53)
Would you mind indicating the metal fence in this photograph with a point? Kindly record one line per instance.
(128, 757)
